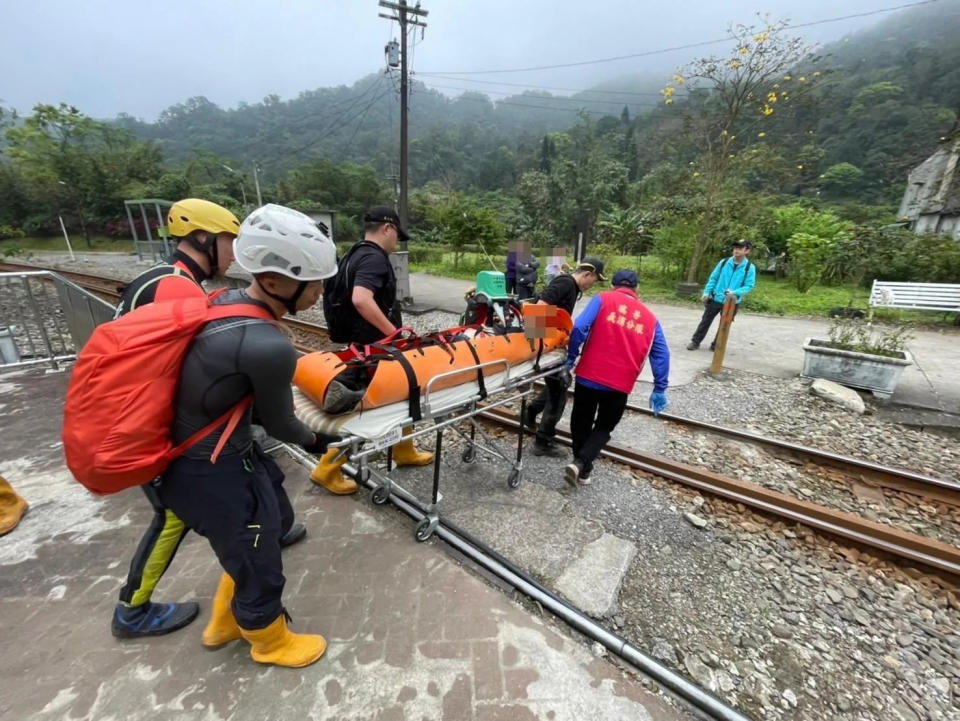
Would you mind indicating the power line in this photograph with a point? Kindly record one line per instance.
(618, 103)
(678, 47)
(538, 87)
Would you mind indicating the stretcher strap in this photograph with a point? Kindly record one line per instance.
(536, 363)
(480, 380)
(414, 388)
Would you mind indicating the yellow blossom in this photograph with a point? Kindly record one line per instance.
(667, 91)
(668, 101)
(767, 110)
(816, 74)
(696, 173)
(744, 49)
(786, 77)
(776, 85)
(679, 79)
(771, 97)
(784, 96)
(736, 64)
(761, 135)
(799, 167)
(762, 37)
(802, 79)
(731, 155)
(723, 132)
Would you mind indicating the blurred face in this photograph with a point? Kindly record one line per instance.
(224, 253)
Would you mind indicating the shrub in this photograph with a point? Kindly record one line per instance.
(857, 335)
(7, 231)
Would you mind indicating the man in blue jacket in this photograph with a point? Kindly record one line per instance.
(734, 276)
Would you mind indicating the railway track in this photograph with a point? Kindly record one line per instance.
(930, 553)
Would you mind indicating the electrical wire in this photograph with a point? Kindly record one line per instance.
(678, 47)
(539, 87)
(582, 101)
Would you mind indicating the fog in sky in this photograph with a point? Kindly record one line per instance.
(141, 56)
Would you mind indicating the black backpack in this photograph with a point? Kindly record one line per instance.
(338, 309)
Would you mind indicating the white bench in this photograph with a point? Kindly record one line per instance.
(943, 297)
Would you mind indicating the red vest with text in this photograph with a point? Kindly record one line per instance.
(619, 341)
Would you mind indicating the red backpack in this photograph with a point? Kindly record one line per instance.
(121, 396)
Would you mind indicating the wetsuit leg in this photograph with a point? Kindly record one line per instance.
(154, 553)
(234, 505)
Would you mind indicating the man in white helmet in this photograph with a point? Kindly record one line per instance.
(234, 503)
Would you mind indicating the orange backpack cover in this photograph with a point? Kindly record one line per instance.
(120, 400)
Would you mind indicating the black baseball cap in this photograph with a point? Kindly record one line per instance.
(594, 264)
(385, 214)
(626, 277)
(743, 243)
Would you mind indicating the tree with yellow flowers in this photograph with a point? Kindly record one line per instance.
(731, 95)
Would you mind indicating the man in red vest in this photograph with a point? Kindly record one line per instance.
(617, 333)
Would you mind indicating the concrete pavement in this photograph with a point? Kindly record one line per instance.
(769, 345)
(412, 634)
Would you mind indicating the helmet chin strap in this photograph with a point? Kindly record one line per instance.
(289, 303)
(209, 248)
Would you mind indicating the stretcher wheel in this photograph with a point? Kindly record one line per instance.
(381, 495)
(513, 480)
(423, 531)
(469, 454)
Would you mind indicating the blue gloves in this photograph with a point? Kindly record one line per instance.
(658, 401)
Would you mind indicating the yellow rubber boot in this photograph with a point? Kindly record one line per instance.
(406, 454)
(222, 627)
(327, 474)
(12, 507)
(278, 645)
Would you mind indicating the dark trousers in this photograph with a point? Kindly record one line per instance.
(236, 506)
(551, 401)
(594, 416)
(524, 291)
(710, 311)
(166, 531)
(511, 285)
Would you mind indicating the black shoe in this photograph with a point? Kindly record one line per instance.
(692, 346)
(571, 474)
(713, 346)
(340, 399)
(554, 450)
(296, 534)
(152, 619)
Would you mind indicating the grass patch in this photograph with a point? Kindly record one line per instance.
(56, 244)
(771, 296)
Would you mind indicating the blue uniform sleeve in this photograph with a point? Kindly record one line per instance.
(749, 280)
(659, 360)
(712, 282)
(581, 328)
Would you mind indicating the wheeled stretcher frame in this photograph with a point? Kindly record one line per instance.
(439, 416)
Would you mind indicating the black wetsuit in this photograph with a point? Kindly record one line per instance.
(237, 503)
(562, 292)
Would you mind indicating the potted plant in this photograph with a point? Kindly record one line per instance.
(859, 355)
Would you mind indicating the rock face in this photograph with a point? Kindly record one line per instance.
(836, 393)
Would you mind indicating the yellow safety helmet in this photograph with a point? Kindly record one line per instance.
(186, 216)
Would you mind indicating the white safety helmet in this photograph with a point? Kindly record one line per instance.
(283, 240)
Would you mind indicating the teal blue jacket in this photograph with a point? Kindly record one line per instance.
(726, 276)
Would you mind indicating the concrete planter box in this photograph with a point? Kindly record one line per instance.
(876, 373)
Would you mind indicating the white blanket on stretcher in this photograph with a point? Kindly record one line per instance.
(376, 423)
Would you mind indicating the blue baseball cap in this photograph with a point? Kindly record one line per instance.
(625, 277)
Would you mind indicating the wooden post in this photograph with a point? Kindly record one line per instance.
(726, 318)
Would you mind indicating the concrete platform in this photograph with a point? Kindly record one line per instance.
(770, 345)
(412, 634)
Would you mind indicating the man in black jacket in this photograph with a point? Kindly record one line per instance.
(563, 292)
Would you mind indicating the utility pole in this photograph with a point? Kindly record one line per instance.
(405, 16)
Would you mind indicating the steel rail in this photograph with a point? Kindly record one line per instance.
(913, 547)
(701, 699)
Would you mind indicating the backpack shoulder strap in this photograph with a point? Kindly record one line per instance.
(234, 310)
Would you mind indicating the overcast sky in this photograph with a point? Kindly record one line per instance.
(141, 56)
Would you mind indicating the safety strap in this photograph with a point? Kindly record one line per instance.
(480, 380)
(231, 418)
(413, 398)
